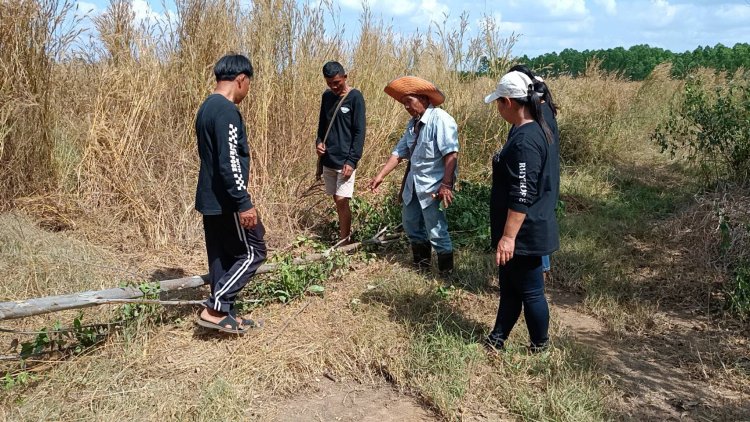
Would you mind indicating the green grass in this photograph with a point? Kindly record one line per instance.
(440, 360)
(606, 209)
(562, 384)
(448, 367)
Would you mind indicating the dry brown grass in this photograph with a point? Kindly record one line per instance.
(114, 119)
(397, 327)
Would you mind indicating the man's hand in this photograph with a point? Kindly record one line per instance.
(249, 218)
(320, 148)
(446, 195)
(375, 183)
(505, 248)
(347, 171)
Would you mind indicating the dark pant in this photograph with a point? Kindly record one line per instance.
(522, 285)
(234, 255)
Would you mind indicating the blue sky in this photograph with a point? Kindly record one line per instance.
(552, 25)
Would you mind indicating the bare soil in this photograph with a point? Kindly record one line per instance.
(656, 372)
(348, 401)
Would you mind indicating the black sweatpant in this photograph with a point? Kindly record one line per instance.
(234, 255)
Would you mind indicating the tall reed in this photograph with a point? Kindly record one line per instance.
(100, 121)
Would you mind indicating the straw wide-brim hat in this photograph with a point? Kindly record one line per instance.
(412, 85)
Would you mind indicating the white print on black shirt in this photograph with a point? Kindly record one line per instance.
(522, 177)
(234, 160)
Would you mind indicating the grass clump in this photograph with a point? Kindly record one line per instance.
(440, 362)
(562, 384)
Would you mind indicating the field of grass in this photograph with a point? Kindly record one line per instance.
(103, 196)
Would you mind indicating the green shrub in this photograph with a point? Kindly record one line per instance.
(739, 291)
(469, 215)
(368, 218)
(710, 129)
(291, 280)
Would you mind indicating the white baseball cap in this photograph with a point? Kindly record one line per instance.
(513, 85)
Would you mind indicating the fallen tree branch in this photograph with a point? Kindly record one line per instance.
(168, 302)
(39, 306)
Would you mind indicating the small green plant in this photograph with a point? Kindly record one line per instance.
(41, 342)
(291, 280)
(59, 339)
(372, 217)
(136, 311)
(739, 293)
(85, 336)
(445, 292)
(14, 380)
(136, 315)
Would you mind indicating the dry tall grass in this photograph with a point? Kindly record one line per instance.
(106, 128)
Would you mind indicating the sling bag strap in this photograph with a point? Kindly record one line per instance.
(319, 169)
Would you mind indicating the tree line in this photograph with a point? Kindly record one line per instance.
(636, 62)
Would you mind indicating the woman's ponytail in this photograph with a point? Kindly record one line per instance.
(535, 102)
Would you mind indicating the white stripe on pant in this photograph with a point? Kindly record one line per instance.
(242, 269)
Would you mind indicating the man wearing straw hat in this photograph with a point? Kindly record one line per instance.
(430, 143)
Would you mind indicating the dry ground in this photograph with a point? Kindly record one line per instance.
(346, 357)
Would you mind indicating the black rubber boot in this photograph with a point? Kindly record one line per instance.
(422, 255)
(445, 263)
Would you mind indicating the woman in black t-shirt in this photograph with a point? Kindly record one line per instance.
(549, 110)
(525, 188)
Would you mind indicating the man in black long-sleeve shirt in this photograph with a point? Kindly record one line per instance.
(341, 138)
(234, 233)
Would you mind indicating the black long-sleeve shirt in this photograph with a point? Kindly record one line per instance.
(224, 156)
(346, 139)
(526, 178)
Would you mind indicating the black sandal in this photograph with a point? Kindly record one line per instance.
(247, 322)
(227, 325)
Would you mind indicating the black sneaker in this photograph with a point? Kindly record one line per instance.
(539, 348)
(494, 345)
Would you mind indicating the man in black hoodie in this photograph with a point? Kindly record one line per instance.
(234, 233)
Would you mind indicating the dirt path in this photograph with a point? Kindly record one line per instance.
(350, 401)
(657, 373)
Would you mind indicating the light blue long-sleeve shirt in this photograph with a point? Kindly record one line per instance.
(437, 138)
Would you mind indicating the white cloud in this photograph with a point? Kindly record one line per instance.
(609, 6)
(389, 7)
(398, 7)
(579, 25)
(508, 27)
(733, 14)
(661, 13)
(505, 27)
(430, 11)
(565, 8)
(352, 4)
(143, 12)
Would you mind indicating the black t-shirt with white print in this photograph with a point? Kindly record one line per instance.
(526, 178)
(224, 156)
